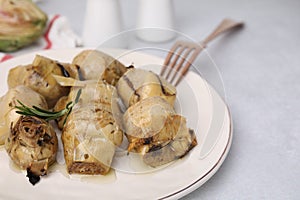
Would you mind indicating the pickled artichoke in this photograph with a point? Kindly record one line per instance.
(21, 23)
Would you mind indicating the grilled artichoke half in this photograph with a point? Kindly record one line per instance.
(184, 141)
(154, 130)
(32, 145)
(91, 132)
(8, 102)
(139, 84)
(96, 65)
(39, 77)
(21, 23)
(148, 123)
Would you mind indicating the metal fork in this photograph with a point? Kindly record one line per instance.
(188, 51)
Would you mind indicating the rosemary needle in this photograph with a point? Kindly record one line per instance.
(46, 114)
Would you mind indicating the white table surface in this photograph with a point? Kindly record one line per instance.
(260, 67)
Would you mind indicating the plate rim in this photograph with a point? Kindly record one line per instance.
(198, 183)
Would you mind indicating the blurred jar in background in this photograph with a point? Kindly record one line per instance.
(157, 17)
(102, 21)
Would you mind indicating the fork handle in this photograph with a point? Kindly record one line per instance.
(224, 26)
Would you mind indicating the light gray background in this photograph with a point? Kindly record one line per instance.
(260, 67)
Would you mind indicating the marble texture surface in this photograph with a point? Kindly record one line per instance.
(260, 67)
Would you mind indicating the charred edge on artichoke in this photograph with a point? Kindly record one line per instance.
(13, 132)
(130, 84)
(148, 140)
(155, 148)
(162, 87)
(31, 120)
(79, 73)
(46, 139)
(33, 178)
(63, 70)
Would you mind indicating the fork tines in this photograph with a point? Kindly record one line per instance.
(179, 59)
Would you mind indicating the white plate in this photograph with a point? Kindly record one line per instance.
(205, 111)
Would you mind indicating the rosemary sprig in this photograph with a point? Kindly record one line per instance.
(46, 114)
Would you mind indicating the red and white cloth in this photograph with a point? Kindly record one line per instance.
(58, 34)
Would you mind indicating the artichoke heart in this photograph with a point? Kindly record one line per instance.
(8, 102)
(32, 145)
(97, 65)
(184, 141)
(139, 84)
(148, 123)
(154, 130)
(39, 77)
(21, 23)
(92, 130)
